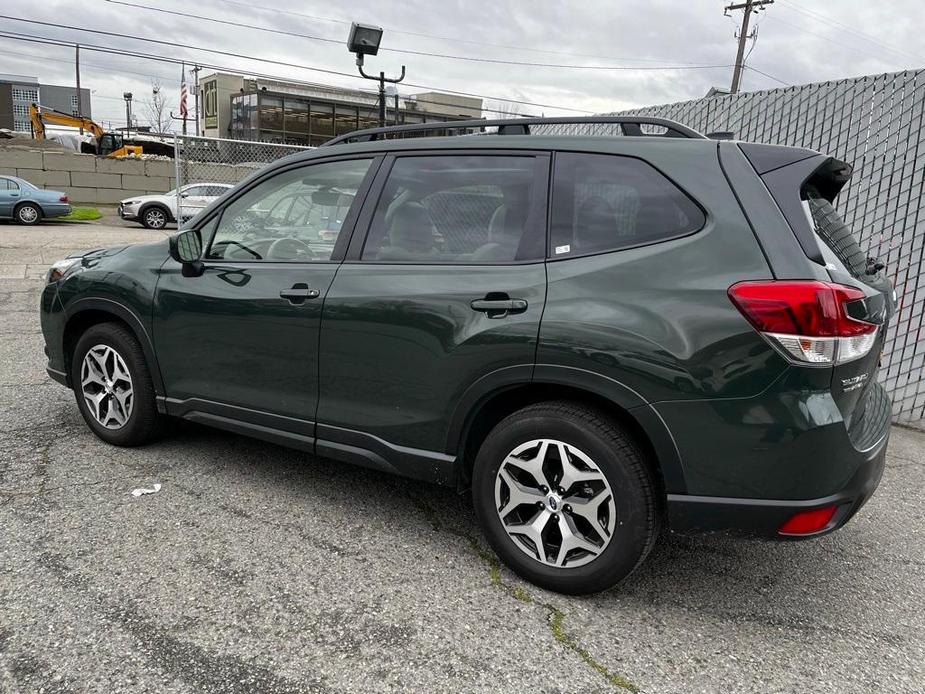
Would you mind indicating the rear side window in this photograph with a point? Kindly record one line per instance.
(604, 202)
(836, 235)
(459, 209)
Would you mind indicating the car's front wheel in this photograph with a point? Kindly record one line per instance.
(28, 214)
(154, 218)
(113, 386)
(565, 498)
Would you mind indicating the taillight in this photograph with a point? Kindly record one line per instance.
(63, 198)
(806, 319)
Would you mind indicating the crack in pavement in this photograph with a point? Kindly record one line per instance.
(554, 617)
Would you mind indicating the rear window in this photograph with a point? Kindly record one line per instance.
(605, 202)
(835, 234)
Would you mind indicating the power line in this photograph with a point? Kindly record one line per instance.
(448, 56)
(392, 30)
(837, 42)
(173, 44)
(31, 38)
(819, 17)
(754, 69)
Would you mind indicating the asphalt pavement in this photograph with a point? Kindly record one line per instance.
(260, 569)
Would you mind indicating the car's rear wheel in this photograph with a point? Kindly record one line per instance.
(564, 496)
(28, 214)
(113, 386)
(154, 217)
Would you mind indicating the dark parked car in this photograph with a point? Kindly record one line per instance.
(599, 337)
(25, 203)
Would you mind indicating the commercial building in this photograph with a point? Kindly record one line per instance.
(17, 92)
(244, 108)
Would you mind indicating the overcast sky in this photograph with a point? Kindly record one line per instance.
(798, 42)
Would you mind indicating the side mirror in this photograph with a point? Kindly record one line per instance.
(184, 195)
(186, 248)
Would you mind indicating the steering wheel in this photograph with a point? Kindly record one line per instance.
(289, 249)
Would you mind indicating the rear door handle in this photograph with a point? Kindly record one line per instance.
(499, 308)
(299, 293)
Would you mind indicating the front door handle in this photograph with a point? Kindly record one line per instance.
(299, 293)
(499, 306)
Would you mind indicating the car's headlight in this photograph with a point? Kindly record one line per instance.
(60, 268)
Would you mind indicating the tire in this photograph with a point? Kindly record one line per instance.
(154, 217)
(142, 423)
(602, 458)
(28, 214)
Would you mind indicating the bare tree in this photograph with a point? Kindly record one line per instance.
(157, 111)
(502, 109)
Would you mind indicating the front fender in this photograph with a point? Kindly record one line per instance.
(102, 304)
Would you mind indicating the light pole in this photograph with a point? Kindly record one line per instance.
(128, 112)
(364, 40)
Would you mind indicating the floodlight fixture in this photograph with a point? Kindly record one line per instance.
(364, 40)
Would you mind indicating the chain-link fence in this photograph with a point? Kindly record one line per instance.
(877, 124)
(206, 167)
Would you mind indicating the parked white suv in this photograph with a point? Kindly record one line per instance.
(155, 211)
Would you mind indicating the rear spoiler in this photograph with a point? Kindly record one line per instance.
(786, 171)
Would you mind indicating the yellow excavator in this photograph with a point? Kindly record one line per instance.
(107, 144)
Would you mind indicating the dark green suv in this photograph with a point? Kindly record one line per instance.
(600, 336)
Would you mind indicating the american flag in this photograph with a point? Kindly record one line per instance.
(184, 92)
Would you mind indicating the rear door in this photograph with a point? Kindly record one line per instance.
(441, 299)
(193, 199)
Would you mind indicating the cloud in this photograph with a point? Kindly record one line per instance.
(797, 43)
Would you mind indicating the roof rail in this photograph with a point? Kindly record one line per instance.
(629, 125)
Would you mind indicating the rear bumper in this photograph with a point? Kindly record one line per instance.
(55, 210)
(763, 517)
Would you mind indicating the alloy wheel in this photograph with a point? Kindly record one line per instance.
(106, 385)
(155, 218)
(554, 503)
(28, 214)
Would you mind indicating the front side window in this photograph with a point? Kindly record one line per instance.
(295, 216)
(604, 202)
(458, 209)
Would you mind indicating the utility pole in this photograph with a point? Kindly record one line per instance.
(195, 72)
(77, 68)
(749, 6)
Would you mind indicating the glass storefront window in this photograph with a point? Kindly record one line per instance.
(244, 117)
(296, 117)
(345, 119)
(271, 113)
(322, 123)
(369, 118)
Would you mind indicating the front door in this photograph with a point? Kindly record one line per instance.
(444, 298)
(241, 340)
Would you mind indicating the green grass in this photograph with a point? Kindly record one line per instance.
(81, 214)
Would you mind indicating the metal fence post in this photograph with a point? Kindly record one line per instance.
(176, 173)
